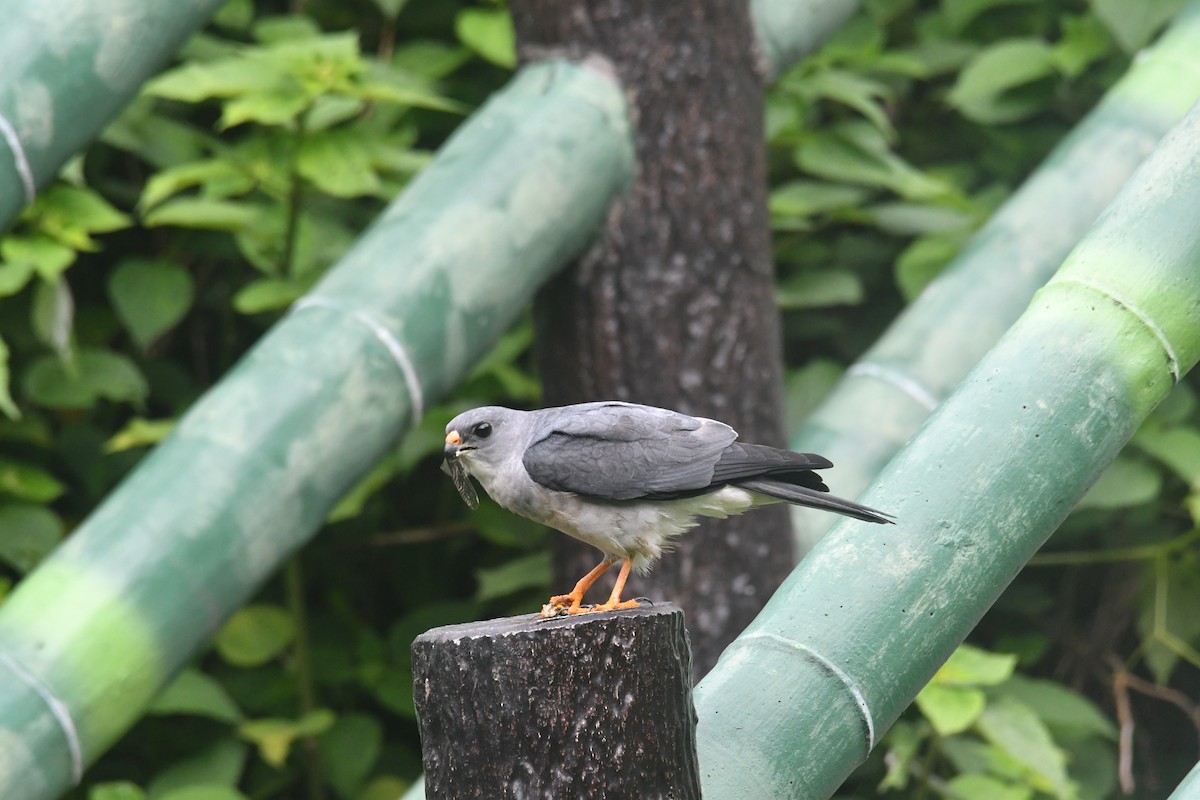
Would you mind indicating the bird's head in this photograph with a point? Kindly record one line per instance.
(476, 442)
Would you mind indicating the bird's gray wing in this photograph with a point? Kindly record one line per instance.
(620, 451)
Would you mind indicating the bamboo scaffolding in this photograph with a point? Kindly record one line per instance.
(801, 697)
(253, 469)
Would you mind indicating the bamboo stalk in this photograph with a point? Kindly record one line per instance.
(864, 622)
(251, 472)
(1189, 789)
(888, 394)
(787, 31)
(67, 67)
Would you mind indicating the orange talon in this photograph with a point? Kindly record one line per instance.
(571, 601)
(575, 598)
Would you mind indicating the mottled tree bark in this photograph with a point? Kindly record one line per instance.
(675, 306)
(598, 705)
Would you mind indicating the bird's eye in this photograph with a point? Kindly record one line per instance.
(483, 430)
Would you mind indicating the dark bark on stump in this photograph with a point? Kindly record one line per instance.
(675, 307)
(598, 705)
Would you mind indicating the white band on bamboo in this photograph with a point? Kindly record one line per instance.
(904, 383)
(1138, 314)
(393, 345)
(19, 160)
(57, 708)
(851, 685)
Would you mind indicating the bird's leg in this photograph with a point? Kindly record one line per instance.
(614, 600)
(570, 602)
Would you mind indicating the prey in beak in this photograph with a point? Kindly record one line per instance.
(457, 470)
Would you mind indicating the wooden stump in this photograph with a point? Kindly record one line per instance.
(597, 705)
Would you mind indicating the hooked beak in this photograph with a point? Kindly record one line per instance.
(453, 444)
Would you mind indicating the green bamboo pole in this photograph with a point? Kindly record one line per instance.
(884, 398)
(251, 472)
(789, 30)
(1190, 788)
(67, 67)
(800, 698)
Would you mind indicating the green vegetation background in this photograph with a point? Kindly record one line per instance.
(241, 174)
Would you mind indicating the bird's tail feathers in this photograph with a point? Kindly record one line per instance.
(803, 496)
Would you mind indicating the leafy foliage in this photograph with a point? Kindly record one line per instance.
(238, 176)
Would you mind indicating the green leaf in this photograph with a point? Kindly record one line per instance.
(916, 219)
(338, 162)
(274, 737)
(230, 77)
(6, 401)
(1177, 598)
(855, 91)
(1177, 447)
(53, 315)
(329, 110)
(289, 27)
(489, 32)
(1068, 715)
(951, 709)
(1133, 24)
(349, 751)
(429, 58)
(254, 635)
(68, 213)
(150, 297)
(196, 694)
(205, 214)
(15, 275)
(27, 482)
(521, 573)
(985, 89)
(807, 198)
(1018, 731)
(277, 107)
(268, 294)
(27, 533)
(235, 14)
(219, 764)
(1084, 42)
(117, 790)
(139, 432)
(351, 504)
(1126, 483)
(819, 289)
(903, 743)
(985, 787)
(924, 260)
(393, 688)
(25, 255)
(384, 787)
(203, 793)
(95, 374)
(387, 84)
(971, 666)
(858, 153)
(219, 177)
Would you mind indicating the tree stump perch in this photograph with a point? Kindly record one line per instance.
(596, 705)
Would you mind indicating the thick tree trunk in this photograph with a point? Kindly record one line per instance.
(675, 307)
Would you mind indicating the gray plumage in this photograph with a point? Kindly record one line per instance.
(628, 478)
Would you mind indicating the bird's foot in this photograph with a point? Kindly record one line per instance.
(609, 606)
(562, 604)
